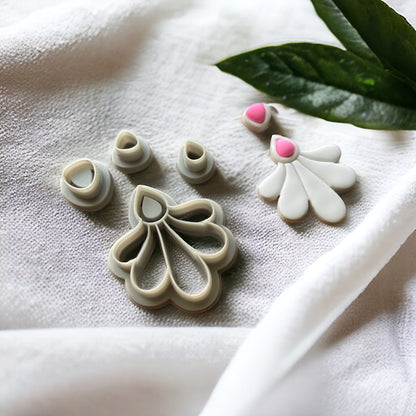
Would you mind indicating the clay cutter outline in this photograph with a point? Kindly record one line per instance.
(155, 216)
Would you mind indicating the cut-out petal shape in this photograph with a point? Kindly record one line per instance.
(328, 153)
(337, 176)
(269, 189)
(326, 203)
(293, 202)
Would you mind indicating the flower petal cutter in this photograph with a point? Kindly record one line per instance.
(311, 177)
(156, 220)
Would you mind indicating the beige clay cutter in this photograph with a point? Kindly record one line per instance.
(131, 153)
(195, 163)
(87, 185)
(155, 217)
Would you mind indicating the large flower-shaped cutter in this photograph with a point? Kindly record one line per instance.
(303, 177)
(155, 218)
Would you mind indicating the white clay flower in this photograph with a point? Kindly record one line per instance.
(158, 220)
(311, 177)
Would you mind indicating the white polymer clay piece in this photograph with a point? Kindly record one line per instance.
(257, 117)
(87, 185)
(195, 164)
(303, 178)
(131, 153)
(157, 221)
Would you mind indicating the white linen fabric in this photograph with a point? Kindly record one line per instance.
(313, 302)
(118, 371)
(71, 76)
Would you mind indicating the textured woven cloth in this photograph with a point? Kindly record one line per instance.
(310, 306)
(71, 76)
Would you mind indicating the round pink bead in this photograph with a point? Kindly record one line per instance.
(284, 148)
(256, 112)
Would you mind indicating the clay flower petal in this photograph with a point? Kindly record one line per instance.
(327, 153)
(326, 203)
(303, 177)
(337, 176)
(293, 202)
(269, 189)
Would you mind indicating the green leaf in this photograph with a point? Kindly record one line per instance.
(328, 82)
(339, 25)
(387, 34)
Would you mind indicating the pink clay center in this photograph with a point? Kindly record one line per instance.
(256, 112)
(284, 148)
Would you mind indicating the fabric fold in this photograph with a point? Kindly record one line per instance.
(110, 371)
(77, 40)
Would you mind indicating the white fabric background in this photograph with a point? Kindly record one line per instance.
(72, 75)
(270, 353)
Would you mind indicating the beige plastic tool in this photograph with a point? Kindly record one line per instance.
(131, 153)
(195, 163)
(87, 185)
(155, 219)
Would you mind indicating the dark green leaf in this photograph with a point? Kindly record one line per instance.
(387, 34)
(328, 82)
(342, 29)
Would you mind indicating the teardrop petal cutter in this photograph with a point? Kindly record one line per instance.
(303, 178)
(195, 163)
(87, 185)
(131, 153)
(155, 218)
